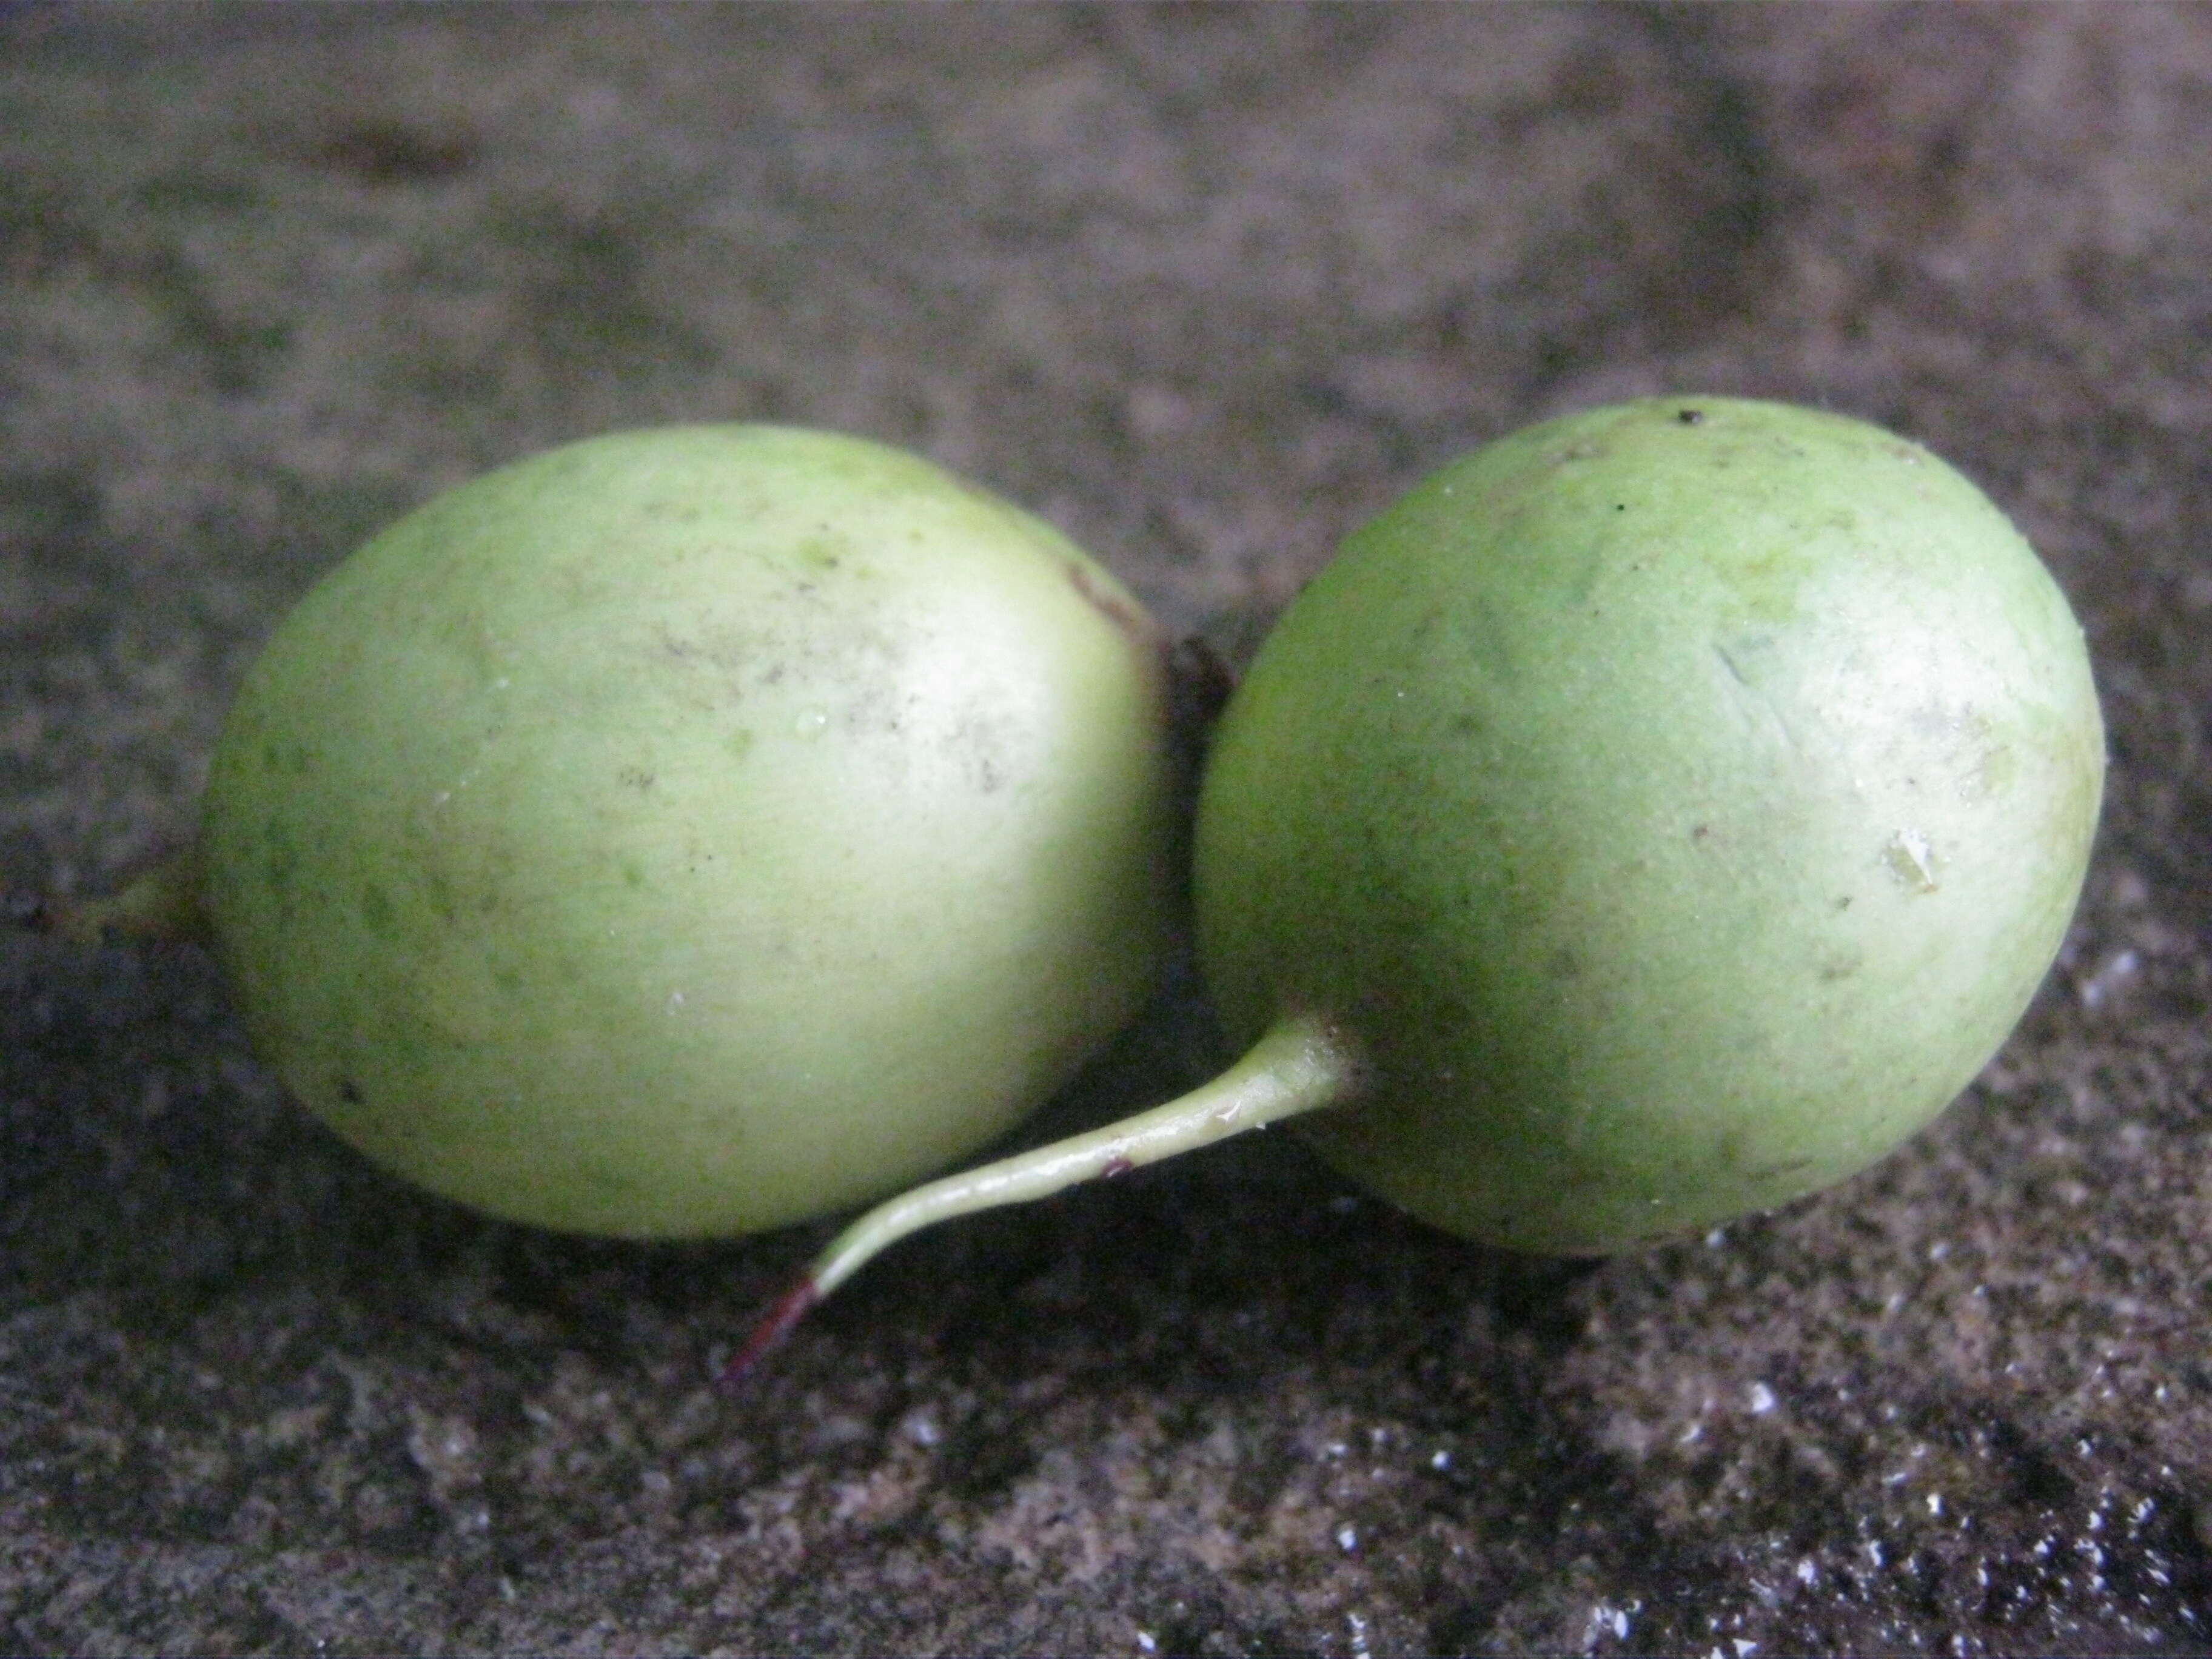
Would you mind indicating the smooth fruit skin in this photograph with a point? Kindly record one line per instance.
(1677, 803)
(688, 831)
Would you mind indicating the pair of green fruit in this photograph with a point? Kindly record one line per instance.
(1656, 816)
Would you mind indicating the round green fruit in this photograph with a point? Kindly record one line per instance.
(688, 832)
(1672, 806)
(1656, 816)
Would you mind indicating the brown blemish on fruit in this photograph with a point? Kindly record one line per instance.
(1141, 629)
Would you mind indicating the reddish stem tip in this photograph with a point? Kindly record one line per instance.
(775, 1325)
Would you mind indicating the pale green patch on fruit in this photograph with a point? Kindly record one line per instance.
(690, 831)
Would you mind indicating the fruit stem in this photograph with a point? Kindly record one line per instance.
(1303, 1063)
(160, 904)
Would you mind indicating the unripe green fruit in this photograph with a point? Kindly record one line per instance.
(1672, 805)
(688, 832)
(1656, 816)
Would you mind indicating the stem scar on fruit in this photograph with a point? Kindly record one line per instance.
(1656, 815)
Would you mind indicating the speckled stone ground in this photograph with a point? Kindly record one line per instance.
(1207, 286)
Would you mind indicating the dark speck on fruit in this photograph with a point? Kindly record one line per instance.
(375, 907)
(1788, 1169)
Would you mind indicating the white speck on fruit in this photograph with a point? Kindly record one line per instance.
(1911, 860)
(812, 724)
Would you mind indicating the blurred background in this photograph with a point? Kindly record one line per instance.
(1207, 285)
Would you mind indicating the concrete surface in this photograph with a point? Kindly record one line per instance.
(1207, 286)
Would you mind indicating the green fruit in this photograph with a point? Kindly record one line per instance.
(1656, 816)
(688, 832)
(1676, 804)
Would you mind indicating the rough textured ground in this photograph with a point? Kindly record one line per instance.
(1207, 286)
